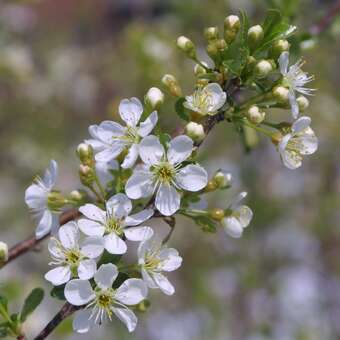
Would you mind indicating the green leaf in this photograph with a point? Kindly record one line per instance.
(206, 223)
(164, 138)
(57, 292)
(180, 109)
(31, 303)
(4, 302)
(4, 327)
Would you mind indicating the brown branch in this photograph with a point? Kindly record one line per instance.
(65, 311)
(326, 20)
(31, 242)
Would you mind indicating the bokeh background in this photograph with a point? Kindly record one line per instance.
(66, 64)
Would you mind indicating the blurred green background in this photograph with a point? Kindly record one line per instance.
(66, 64)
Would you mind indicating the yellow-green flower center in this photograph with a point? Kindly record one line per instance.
(73, 256)
(131, 135)
(114, 225)
(105, 300)
(151, 262)
(164, 172)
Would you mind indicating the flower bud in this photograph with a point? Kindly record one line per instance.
(303, 103)
(223, 179)
(281, 94)
(3, 252)
(221, 45)
(85, 153)
(232, 23)
(263, 68)
(211, 33)
(195, 131)
(276, 137)
(200, 70)
(154, 98)
(279, 47)
(172, 85)
(254, 115)
(217, 214)
(187, 46)
(78, 196)
(212, 50)
(211, 186)
(86, 174)
(255, 35)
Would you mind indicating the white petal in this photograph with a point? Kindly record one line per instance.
(245, 215)
(103, 171)
(218, 95)
(69, 235)
(148, 279)
(109, 153)
(112, 129)
(92, 212)
(283, 62)
(59, 275)
(114, 244)
(170, 259)
(119, 205)
(36, 197)
(301, 124)
(131, 292)
(79, 292)
(291, 160)
(148, 125)
(131, 110)
(164, 284)
(92, 246)
(131, 157)
(127, 317)
(44, 225)
(54, 249)
(138, 233)
(151, 150)
(310, 144)
(232, 226)
(139, 185)
(237, 199)
(168, 200)
(106, 275)
(91, 228)
(138, 218)
(192, 178)
(293, 104)
(86, 269)
(82, 321)
(180, 149)
(51, 173)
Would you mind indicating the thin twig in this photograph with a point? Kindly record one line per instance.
(65, 311)
(326, 20)
(30, 243)
(171, 222)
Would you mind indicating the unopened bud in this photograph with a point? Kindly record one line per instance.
(255, 35)
(221, 44)
(85, 153)
(232, 23)
(78, 196)
(223, 179)
(276, 137)
(86, 174)
(303, 103)
(211, 186)
(211, 33)
(254, 115)
(217, 214)
(172, 85)
(195, 131)
(187, 46)
(212, 50)
(200, 70)
(3, 252)
(263, 68)
(281, 94)
(154, 98)
(279, 47)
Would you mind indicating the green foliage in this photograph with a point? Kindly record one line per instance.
(32, 301)
(57, 292)
(181, 110)
(207, 224)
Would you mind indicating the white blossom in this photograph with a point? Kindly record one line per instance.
(238, 218)
(206, 101)
(115, 222)
(36, 198)
(111, 138)
(103, 301)
(165, 174)
(154, 259)
(103, 171)
(295, 79)
(72, 257)
(299, 142)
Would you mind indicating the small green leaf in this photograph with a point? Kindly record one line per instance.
(31, 303)
(164, 138)
(4, 302)
(57, 292)
(180, 109)
(206, 223)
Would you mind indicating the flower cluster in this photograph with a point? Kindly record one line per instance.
(137, 172)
